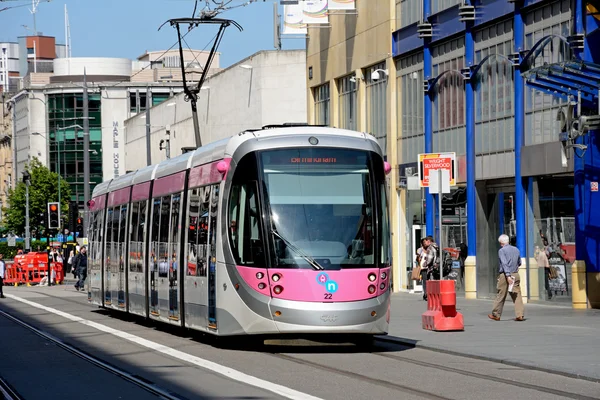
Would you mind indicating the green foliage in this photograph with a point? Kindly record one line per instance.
(10, 252)
(42, 190)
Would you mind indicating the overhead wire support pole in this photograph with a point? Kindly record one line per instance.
(192, 93)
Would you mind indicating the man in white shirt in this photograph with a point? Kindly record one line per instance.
(2, 275)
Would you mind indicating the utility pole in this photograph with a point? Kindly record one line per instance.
(86, 153)
(148, 98)
(27, 180)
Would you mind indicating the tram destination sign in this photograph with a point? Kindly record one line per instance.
(434, 161)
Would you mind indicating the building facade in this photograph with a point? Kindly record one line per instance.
(265, 88)
(468, 80)
(49, 118)
(350, 85)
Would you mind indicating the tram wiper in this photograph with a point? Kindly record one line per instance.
(313, 263)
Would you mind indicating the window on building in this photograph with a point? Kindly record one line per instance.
(137, 103)
(376, 97)
(494, 115)
(158, 98)
(541, 125)
(411, 100)
(409, 12)
(441, 5)
(347, 87)
(449, 100)
(322, 100)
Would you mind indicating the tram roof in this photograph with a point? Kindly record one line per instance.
(220, 149)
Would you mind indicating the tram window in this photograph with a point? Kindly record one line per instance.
(213, 229)
(191, 252)
(108, 244)
(115, 239)
(154, 234)
(141, 234)
(163, 237)
(122, 233)
(133, 250)
(385, 259)
(244, 229)
(174, 234)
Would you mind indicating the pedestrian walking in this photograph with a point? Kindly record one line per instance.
(2, 275)
(81, 264)
(509, 280)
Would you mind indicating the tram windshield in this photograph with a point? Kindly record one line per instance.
(322, 207)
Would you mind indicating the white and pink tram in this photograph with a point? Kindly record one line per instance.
(272, 231)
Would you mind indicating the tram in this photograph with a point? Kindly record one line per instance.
(279, 230)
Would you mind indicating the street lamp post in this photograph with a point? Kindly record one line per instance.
(27, 180)
(86, 153)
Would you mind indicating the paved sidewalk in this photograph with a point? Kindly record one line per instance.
(553, 338)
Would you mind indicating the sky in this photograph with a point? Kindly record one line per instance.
(128, 28)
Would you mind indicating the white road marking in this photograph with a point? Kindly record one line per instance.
(200, 362)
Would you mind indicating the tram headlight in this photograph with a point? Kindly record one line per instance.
(382, 286)
(371, 289)
(372, 277)
(278, 289)
(261, 286)
(276, 277)
(260, 275)
(383, 275)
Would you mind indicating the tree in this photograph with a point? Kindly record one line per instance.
(42, 190)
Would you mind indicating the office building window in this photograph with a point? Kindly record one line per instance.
(65, 117)
(541, 109)
(441, 5)
(376, 97)
(411, 100)
(409, 12)
(494, 89)
(137, 103)
(347, 102)
(322, 104)
(449, 99)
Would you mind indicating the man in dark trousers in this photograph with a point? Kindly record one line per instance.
(81, 264)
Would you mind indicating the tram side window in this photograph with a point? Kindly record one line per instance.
(163, 237)
(244, 225)
(154, 234)
(385, 259)
(108, 244)
(141, 234)
(116, 217)
(191, 253)
(174, 234)
(122, 236)
(133, 248)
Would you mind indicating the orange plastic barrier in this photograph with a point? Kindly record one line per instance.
(441, 314)
(31, 268)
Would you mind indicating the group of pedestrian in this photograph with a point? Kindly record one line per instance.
(508, 281)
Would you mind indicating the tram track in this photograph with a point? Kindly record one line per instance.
(477, 375)
(136, 380)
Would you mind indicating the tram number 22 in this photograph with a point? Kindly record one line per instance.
(328, 296)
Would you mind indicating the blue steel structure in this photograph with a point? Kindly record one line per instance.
(561, 80)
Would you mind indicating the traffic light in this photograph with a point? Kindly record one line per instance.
(53, 215)
(79, 226)
(73, 215)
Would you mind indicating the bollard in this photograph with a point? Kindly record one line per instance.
(441, 314)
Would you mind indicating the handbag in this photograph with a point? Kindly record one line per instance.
(416, 273)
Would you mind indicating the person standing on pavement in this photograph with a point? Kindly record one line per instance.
(2, 275)
(81, 264)
(430, 262)
(510, 259)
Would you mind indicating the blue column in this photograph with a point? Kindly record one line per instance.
(579, 162)
(427, 71)
(470, 142)
(519, 37)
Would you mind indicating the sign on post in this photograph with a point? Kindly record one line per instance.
(12, 240)
(433, 162)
